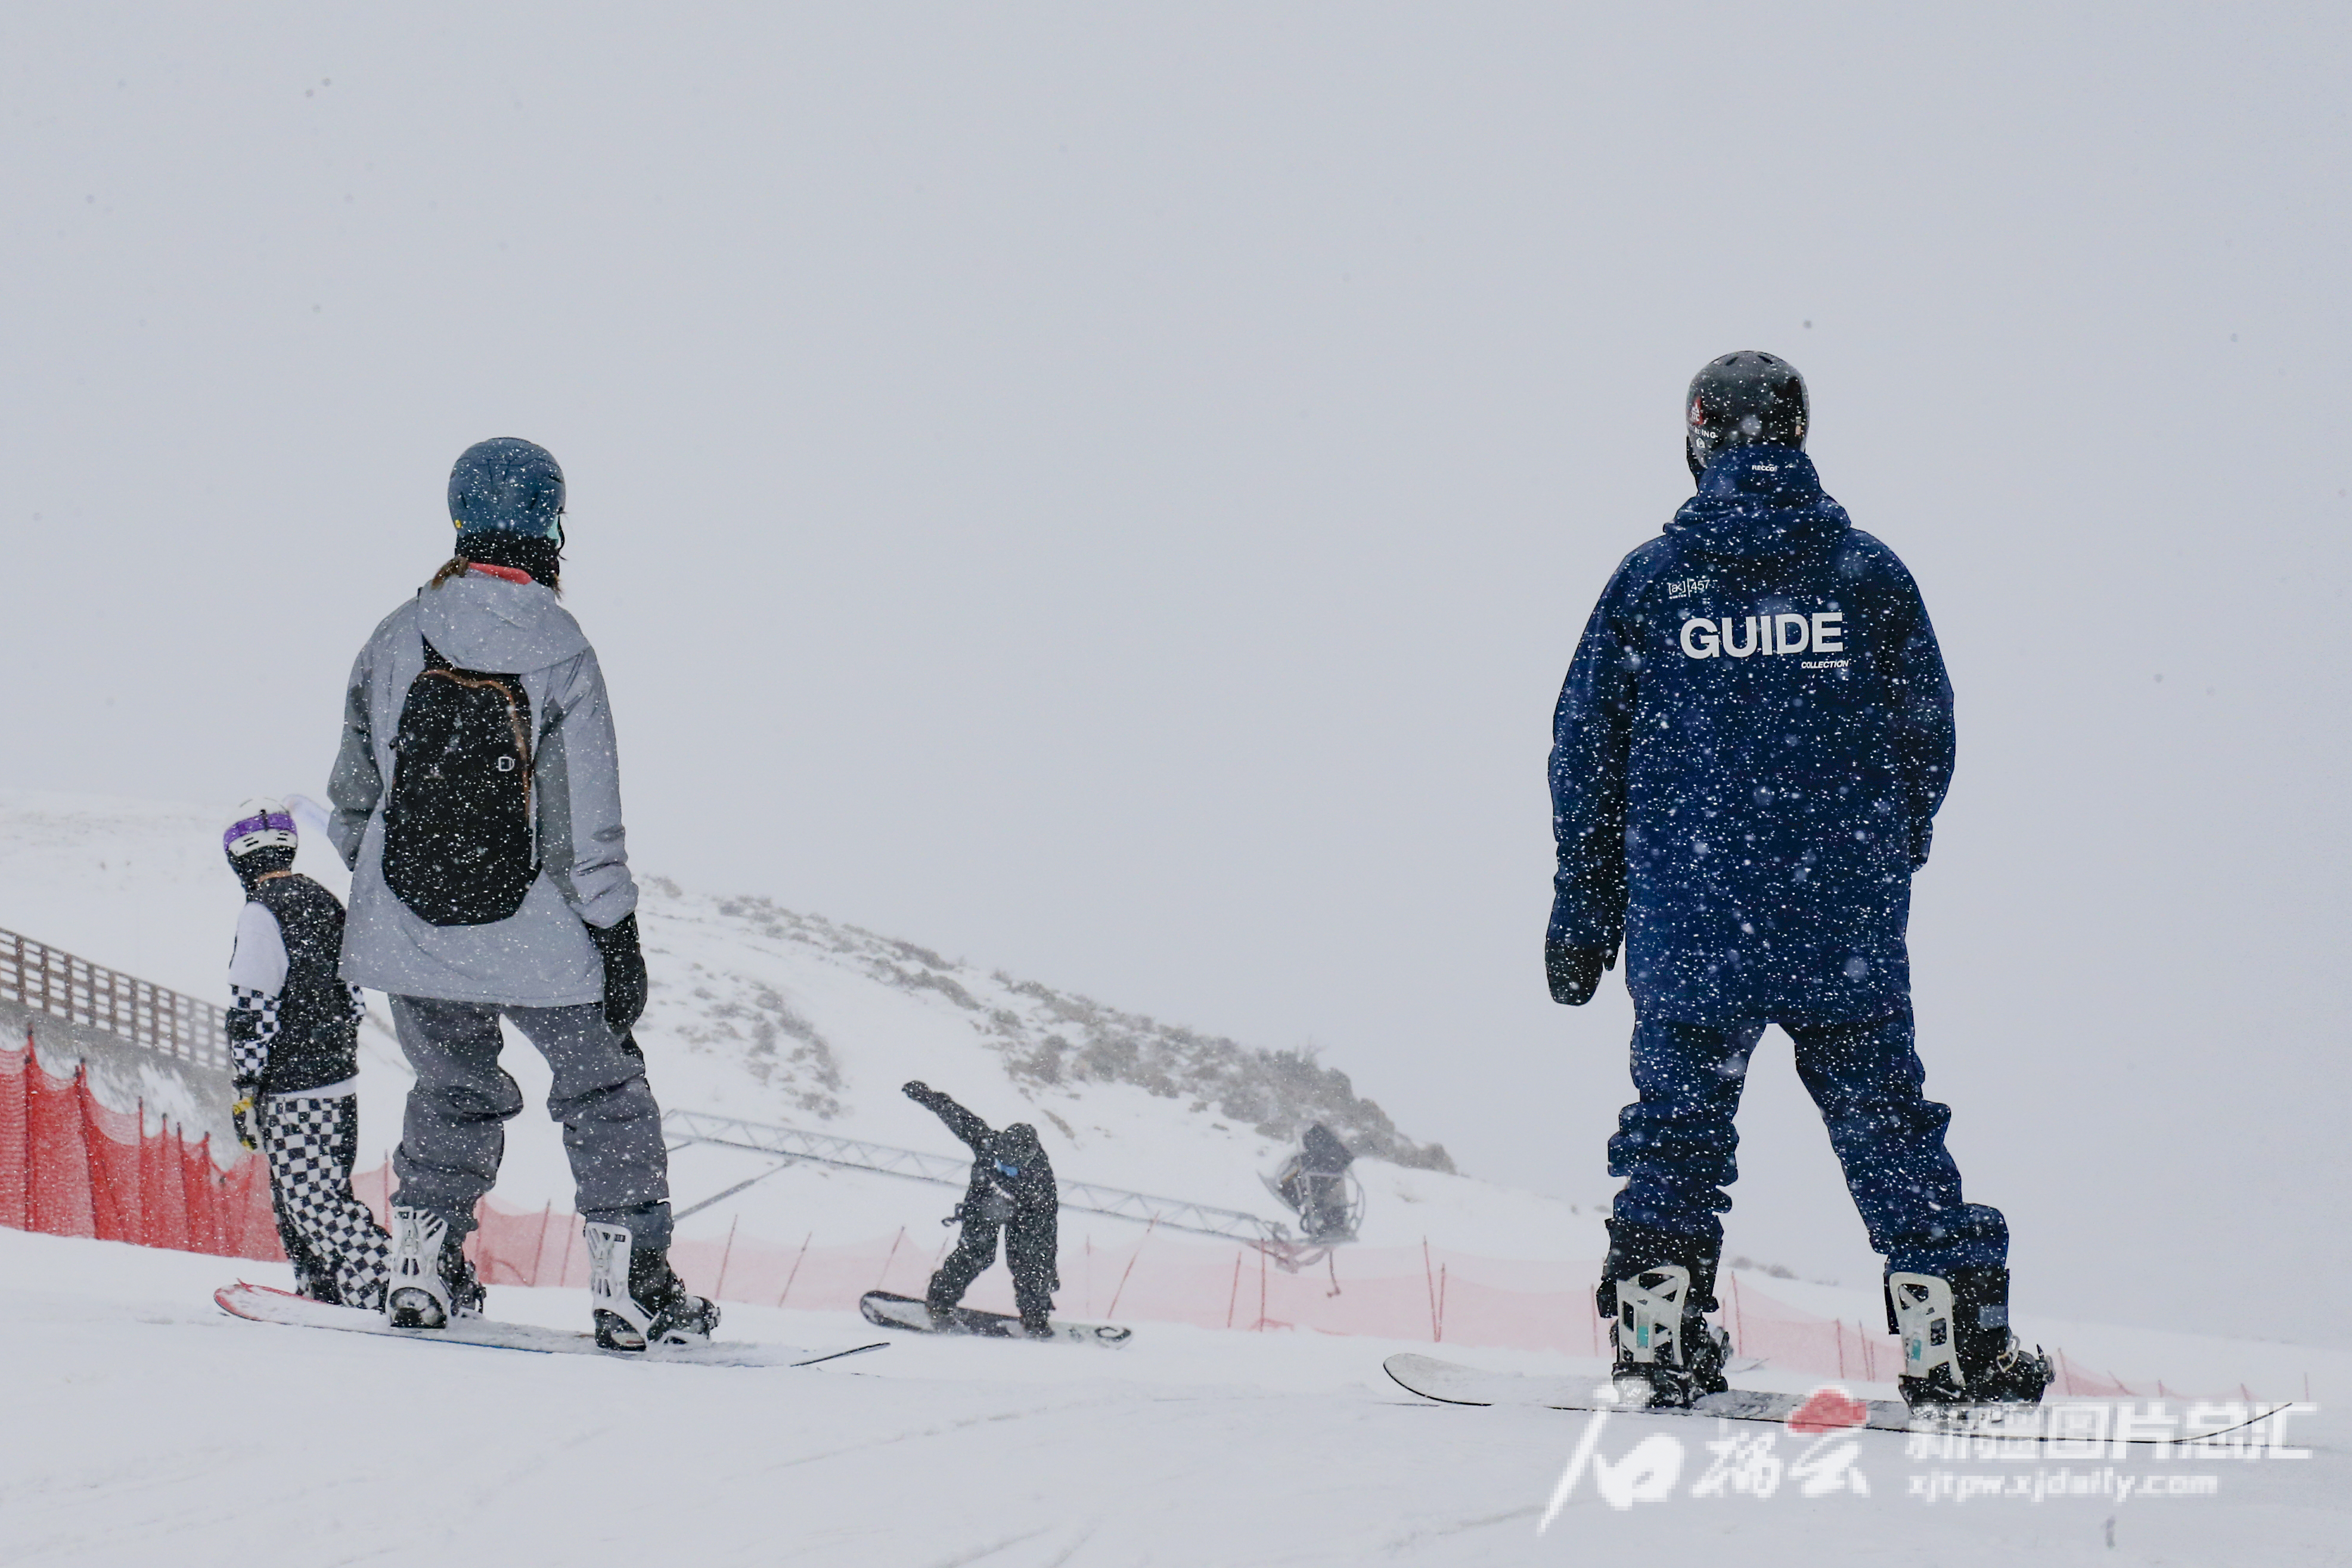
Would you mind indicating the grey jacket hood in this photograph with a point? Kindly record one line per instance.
(542, 957)
(479, 622)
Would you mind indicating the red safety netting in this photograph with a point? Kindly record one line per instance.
(72, 1167)
(1420, 1292)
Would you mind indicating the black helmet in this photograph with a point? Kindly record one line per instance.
(1744, 400)
(1014, 1150)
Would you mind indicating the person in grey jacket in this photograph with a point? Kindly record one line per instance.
(477, 800)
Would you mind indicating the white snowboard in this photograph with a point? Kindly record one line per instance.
(1453, 1383)
(1822, 1410)
(261, 1304)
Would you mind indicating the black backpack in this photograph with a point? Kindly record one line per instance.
(457, 828)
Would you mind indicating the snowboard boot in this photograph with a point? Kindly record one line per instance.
(638, 1298)
(1656, 1289)
(430, 1280)
(317, 1285)
(1668, 1353)
(1956, 1347)
(1038, 1325)
(940, 1306)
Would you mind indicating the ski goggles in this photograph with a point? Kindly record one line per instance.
(1009, 1172)
(264, 829)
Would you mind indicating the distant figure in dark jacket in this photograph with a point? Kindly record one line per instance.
(1314, 1181)
(1747, 761)
(1012, 1189)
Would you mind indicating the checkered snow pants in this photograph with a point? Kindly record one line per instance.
(312, 1141)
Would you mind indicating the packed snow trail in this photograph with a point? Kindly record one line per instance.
(145, 1425)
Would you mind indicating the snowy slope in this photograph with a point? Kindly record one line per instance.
(772, 1015)
(144, 1427)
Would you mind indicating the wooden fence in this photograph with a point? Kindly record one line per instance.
(94, 997)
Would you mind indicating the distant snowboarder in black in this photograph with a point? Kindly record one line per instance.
(1315, 1183)
(1012, 1191)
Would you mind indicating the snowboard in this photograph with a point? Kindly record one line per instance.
(1452, 1384)
(1822, 1410)
(261, 1304)
(884, 1310)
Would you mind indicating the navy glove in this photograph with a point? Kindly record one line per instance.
(624, 973)
(1575, 972)
(920, 1093)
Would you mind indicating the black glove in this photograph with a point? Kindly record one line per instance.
(1575, 972)
(247, 1114)
(919, 1092)
(624, 974)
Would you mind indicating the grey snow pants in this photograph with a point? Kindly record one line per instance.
(455, 1132)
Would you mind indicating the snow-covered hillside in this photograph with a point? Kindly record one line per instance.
(769, 1014)
(825, 1022)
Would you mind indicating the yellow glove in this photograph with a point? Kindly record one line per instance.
(248, 1123)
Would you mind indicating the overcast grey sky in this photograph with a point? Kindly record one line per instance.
(1110, 492)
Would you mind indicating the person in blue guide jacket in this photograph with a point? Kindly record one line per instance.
(1747, 760)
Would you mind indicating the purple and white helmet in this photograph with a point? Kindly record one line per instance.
(260, 824)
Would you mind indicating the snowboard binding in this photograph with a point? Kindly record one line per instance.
(1956, 1346)
(429, 1280)
(638, 1299)
(1668, 1353)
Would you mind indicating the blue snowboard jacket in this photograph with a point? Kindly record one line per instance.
(1747, 758)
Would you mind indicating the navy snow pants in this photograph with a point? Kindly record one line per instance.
(1676, 1144)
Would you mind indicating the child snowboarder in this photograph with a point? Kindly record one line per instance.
(293, 1030)
(477, 801)
(1747, 758)
(1012, 1190)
